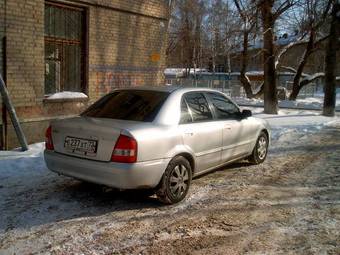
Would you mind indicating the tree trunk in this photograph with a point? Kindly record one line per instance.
(330, 63)
(295, 92)
(270, 89)
(297, 77)
(244, 58)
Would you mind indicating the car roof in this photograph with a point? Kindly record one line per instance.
(169, 89)
(152, 88)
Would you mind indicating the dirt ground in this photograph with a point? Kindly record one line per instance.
(288, 205)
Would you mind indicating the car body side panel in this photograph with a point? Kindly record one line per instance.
(238, 137)
(156, 142)
(205, 140)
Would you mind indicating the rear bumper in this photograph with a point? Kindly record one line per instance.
(118, 175)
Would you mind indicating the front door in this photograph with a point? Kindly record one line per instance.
(237, 132)
(200, 131)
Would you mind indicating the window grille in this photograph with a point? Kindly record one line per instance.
(64, 48)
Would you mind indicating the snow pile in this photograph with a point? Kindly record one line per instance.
(67, 94)
(333, 124)
(34, 150)
(21, 164)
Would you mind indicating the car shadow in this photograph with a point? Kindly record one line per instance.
(52, 199)
(62, 198)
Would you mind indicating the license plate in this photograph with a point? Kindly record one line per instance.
(81, 146)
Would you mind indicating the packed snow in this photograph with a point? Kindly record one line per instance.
(67, 95)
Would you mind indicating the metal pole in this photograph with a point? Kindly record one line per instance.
(4, 111)
(13, 115)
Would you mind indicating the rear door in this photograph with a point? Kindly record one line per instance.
(200, 131)
(237, 132)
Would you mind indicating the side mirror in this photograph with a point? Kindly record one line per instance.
(246, 114)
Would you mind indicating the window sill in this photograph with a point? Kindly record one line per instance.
(65, 100)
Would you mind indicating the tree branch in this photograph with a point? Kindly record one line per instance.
(289, 68)
(286, 48)
(310, 78)
(283, 7)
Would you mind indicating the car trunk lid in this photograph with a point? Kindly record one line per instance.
(91, 138)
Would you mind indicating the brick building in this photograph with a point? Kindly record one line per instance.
(85, 46)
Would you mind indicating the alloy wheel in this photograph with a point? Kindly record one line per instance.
(179, 180)
(262, 148)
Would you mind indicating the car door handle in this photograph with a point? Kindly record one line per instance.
(227, 127)
(189, 133)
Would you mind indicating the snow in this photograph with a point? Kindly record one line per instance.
(34, 150)
(309, 103)
(67, 94)
(312, 77)
(282, 41)
(180, 71)
(289, 122)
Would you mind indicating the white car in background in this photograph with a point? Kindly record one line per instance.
(155, 138)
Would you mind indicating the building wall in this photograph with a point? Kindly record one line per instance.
(115, 65)
(126, 47)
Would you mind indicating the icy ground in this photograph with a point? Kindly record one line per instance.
(288, 205)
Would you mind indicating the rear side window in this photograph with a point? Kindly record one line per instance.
(224, 108)
(185, 114)
(136, 105)
(198, 106)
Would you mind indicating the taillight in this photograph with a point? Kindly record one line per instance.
(48, 139)
(125, 150)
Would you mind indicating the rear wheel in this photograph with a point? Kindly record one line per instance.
(176, 181)
(260, 150)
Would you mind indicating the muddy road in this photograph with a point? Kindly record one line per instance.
(288, 205)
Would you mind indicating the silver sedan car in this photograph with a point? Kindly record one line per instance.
(155, 138)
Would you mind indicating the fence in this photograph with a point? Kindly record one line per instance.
(233, 87)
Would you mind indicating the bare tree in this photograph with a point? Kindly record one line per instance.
(214, 31)
(313, 15)
(269, 15)
(248, 13)
(185, 33)
(330, 61)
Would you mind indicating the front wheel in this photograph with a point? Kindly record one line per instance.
(176, 181)
(260, 150)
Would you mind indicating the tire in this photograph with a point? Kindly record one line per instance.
(260, 150)
(175, 182)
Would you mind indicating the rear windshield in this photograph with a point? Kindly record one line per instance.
(137, 105)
